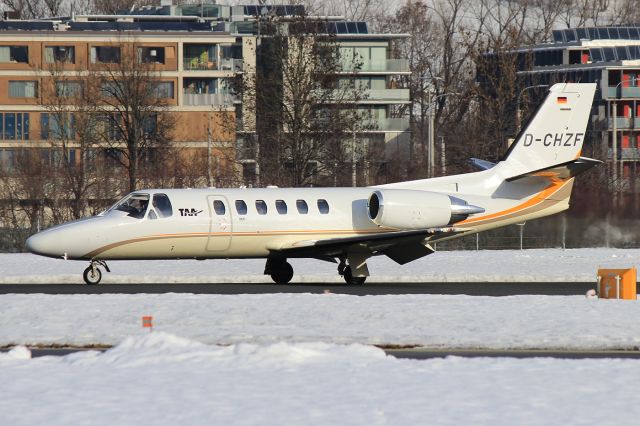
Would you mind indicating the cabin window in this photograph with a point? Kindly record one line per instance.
(241, 207)
(302, 206)
(261, 207)
(162, 205)
(135, 205)
(218, 207)
(152, 214)
(281, 206)
(323, 206)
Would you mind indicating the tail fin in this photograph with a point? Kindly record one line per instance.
(555, 134)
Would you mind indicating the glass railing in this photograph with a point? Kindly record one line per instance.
(203, 99)
(621, 122)
(385, 65)
(623, 92)
(388, 124)
(625, 153)
(387, 95)
(224, 64)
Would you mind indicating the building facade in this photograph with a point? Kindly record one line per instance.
(610, 57)
(197, 52)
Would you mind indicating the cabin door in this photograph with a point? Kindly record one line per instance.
(219, 223)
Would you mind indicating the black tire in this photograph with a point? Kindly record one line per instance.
(350, 279)
(91, 277)
(282, 273)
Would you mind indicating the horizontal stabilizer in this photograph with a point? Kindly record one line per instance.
(561, 171)
(479, 164)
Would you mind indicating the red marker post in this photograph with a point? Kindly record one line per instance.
(147, 322)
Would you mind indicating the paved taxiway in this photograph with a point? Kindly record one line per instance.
(420, 353)
(472, 289)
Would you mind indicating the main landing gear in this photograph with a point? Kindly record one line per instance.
(354, 273)
(92, 275)
(347, 273)
(280, 270)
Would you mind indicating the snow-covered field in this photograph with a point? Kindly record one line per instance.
(160, 379)
(435, 321)
(541, 265)
(277, 359)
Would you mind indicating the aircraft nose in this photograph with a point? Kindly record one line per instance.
(44, 244)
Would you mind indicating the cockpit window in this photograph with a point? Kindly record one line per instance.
(162, 205)
(135, 205)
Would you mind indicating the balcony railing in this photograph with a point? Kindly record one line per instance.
(621, 122)
(623, 92)
(224, 64)
(203, 99)
(625, 154)
(385, 65)
(389, 124)
(387, 95)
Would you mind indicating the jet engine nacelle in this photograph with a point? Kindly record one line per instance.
(411, 209)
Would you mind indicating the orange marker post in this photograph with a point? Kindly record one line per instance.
(617, 284)
(147, 321)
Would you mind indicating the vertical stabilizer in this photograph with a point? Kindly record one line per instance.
(556, 132)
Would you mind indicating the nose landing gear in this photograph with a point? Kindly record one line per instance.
(92, 275)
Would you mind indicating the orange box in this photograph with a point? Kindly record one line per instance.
(617, 283)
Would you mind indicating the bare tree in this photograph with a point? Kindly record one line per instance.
(133, 109)
(306, 96)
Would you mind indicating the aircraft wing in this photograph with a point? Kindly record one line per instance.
(401, 246)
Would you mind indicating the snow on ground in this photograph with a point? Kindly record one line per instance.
(434, 321)
(541, 265)
(161, 379)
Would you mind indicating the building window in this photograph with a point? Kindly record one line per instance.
(151, 55)
(14, 54)
(23, 89)
(163, 90)
(105, 55)
(14, 125)
(55, 126)
(68, 89)
(65, 54)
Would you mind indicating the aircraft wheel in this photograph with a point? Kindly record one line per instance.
(350, 279)
(282, 274)
(92, 275)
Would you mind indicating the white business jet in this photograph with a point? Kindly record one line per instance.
(343, 225)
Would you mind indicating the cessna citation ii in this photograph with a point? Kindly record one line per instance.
(342, 225)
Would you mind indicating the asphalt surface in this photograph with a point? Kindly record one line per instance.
(423, 354)
(472, 289)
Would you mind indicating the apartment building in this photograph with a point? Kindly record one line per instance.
(609, 56)
(198, 49)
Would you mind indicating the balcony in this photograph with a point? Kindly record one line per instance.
(623, 92)
(626, 154)
(382, 66)
(389, 125)
(621, 123)
(204, 99)
(224, 64)
(388, 95)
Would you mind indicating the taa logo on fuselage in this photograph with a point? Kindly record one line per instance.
(554, 139)
(189, 212)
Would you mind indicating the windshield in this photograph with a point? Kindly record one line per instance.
(135, 205)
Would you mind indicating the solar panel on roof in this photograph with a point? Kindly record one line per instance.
(609, 54)
(621, 52)
(331, 28)
(593, 33)
(570, 35)
(341, 27)
(352, 28)
(633, 33)
(558, 36)
(596, 55)
(581, 33)
(362, 28)
(614, 33)
(603, 33)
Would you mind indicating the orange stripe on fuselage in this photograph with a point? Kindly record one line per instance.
(536, 199)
